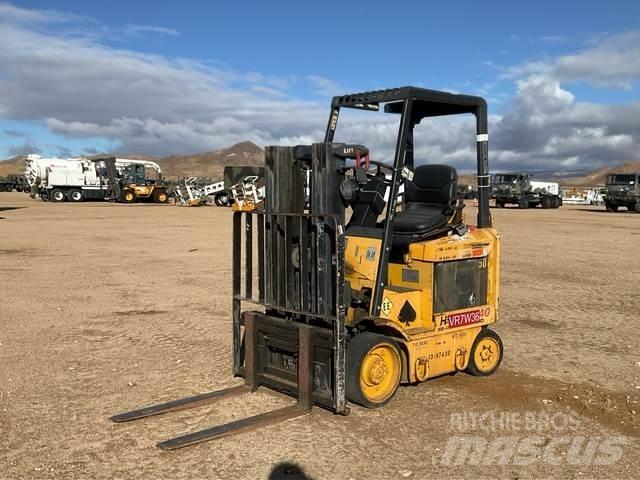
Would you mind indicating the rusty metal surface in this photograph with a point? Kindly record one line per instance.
(233, 428)
(180, 404)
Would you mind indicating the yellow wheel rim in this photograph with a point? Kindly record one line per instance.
(162, 197)
(487, 354)
(128, 196)
(380, 373)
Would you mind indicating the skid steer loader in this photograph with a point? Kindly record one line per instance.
(331, 311)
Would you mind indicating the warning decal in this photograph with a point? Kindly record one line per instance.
(386, 307)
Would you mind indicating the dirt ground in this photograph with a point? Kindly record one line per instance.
(106, 307)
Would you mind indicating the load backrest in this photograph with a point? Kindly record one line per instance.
(433, 185)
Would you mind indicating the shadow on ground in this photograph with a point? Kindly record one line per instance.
(288, 471)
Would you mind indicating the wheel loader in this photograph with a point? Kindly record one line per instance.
(343, 289)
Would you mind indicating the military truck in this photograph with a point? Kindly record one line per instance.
(622, 190)
(14, 182)
(519, 189)
(467, 192)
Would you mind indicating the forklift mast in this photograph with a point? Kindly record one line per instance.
(112, 175)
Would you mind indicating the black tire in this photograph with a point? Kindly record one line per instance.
(57, 195)
(160, 196)
(636, 208)
(74, 195)
(547, 202)
(357, 351)
(500, 204)
(472, 368)
(611, 207)
(221, 199)
(128, 196)
(524, 203)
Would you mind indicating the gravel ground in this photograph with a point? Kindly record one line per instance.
(107, 307)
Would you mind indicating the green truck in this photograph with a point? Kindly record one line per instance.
(622, 190)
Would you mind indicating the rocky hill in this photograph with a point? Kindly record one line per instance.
(11, 165)
(206, 164)
(598, 176)
(211, 164)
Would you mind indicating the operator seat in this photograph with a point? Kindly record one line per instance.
(431, 205)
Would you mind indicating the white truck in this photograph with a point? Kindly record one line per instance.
(73, 179)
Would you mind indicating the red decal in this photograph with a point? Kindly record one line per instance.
(467, 318)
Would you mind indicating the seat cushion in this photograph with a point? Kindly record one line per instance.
(419, 218)
(433, 184)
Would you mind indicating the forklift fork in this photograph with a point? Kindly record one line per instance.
(301, 407)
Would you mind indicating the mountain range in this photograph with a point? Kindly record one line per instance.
(211, 164)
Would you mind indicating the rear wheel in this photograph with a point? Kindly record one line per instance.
(374, 369)
(611, 207)
(129, 196)
(547, 202)
(486, 354)
(524, 203)
(500, 204)
(160, 196)
(74, 195)
(56, 195)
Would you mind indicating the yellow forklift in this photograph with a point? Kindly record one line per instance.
(128, 183)
(330, 310)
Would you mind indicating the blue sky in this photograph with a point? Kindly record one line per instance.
(288, 58)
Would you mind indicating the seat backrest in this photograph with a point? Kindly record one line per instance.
(434, 185)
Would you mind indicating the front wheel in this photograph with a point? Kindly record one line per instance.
(56, 195)
(486, 354)
(611, 207)
(129, 196)
(524, 203)
(374, 369)
(160, 196)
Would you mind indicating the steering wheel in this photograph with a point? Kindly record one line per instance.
(358, 153)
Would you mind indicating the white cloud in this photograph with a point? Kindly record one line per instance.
(135, 29)
(546, 126)
(612, 61)
(153, 104)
